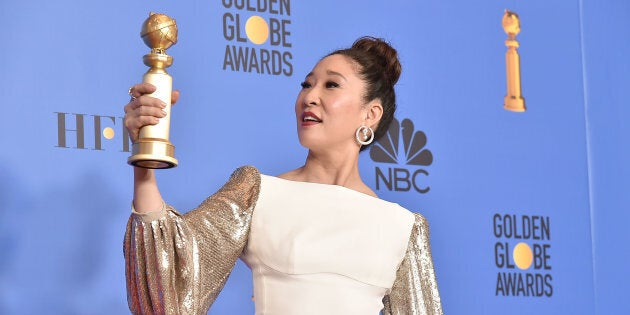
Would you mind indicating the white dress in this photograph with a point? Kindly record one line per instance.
(326, 248)
(313, 249)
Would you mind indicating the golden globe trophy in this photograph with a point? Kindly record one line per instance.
(513, 101)
(153, 149)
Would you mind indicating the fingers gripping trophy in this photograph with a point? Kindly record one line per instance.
(152, 149)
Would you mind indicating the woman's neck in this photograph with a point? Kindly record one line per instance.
(333, 168)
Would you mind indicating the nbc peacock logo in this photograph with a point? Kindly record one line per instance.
(404, 147)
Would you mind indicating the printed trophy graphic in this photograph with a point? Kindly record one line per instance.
(513, 101)
(153, 149)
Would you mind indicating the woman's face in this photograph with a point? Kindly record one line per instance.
(330, 106)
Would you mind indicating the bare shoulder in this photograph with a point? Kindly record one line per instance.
(293, 175)
(368, 191)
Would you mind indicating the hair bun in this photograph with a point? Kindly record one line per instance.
(385, 53)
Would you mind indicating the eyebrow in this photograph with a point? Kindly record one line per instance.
(328, 72)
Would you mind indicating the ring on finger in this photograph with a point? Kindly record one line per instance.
(130, 92)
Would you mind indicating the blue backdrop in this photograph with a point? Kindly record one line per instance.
(551, 182)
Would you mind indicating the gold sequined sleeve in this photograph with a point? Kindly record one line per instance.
(177, 264)
(415, 290)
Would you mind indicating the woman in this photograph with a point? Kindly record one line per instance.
(317, 238)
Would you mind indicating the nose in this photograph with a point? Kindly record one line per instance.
(311, 97)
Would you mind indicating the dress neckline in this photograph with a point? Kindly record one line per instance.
(329, 186)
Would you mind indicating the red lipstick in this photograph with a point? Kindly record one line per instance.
(309, 119)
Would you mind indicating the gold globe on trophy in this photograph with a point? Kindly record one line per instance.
(153, 149)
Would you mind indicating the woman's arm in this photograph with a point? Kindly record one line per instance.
(415, 290)
(146, 195)
(178, 264)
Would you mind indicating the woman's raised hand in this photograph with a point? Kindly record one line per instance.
(143, 109)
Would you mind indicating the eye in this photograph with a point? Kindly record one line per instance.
(305, 85)
(331, 84)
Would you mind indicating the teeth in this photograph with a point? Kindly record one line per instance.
(310, 118)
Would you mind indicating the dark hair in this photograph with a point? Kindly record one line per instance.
(380, 69)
